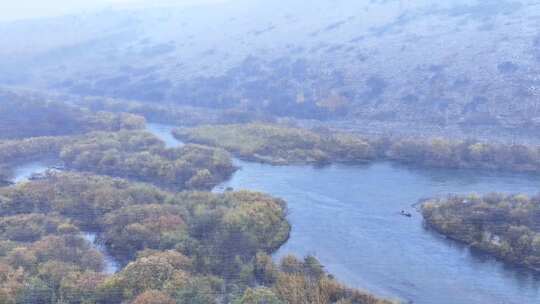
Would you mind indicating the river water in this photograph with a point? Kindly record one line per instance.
(25, 171)
(111, 265)
(164, 132)
(348, 216)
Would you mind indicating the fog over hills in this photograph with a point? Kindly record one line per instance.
(398, 65)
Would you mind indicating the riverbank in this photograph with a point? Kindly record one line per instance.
(359, 234)
(362, 239)
(358, 205)
(284, 145)
(504, 226)
(162, 131)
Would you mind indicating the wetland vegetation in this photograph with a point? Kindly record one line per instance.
(303, 135)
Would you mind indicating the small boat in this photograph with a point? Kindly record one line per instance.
(406, 214)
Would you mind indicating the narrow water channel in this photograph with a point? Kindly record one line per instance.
(164, 132)
(111, 265)
(24, 172)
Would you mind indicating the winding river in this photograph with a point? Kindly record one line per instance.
(348, 216)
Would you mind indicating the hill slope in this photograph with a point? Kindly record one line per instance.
(451, 63)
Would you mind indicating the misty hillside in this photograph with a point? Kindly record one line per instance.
(433, 63)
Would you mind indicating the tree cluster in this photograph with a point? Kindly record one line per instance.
(132, 154)
(22, 115)
(140, 156)
(277, 144)
(174, 114)
(505, 226)
(281, 145)
(182, 235)
(44, 259)
(296, 281)
(28, 149)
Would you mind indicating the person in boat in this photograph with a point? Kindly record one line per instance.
(407, 214)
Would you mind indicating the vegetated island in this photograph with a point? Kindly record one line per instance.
(133, 154)
(281, 145)
(191, 247)
(505, 226)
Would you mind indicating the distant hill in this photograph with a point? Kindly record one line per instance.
(464, 63)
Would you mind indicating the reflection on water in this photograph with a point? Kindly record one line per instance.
(349, 217)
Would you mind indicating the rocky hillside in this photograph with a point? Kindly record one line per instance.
(456, 63)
